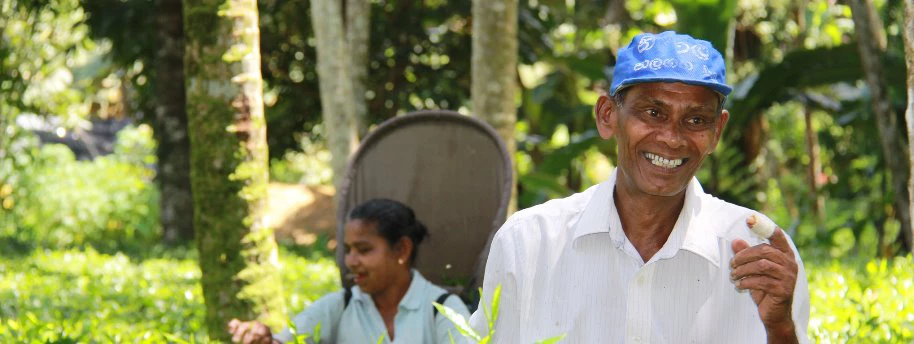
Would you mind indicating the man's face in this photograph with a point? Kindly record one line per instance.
(664, 131)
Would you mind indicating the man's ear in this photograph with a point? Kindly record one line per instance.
(605, 116)
(721, 124)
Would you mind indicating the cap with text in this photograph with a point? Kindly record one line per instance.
(670, 57)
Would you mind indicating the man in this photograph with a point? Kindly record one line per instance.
(647, 256)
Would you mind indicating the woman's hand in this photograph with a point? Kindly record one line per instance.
(250, 332)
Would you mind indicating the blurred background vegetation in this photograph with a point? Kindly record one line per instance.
(85, 249)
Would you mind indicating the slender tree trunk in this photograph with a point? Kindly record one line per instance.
(494, 66)
(617, 14)
(908, 29)
(238, 256)
(358, 32)
(871, 43)
(177, 211)
(814, 170)
(335, 80)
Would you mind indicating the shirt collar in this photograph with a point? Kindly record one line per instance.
(693, 231)
(411, 300)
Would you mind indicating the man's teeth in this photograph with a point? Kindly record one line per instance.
(663, 162)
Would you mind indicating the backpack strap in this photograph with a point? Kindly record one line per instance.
(347, 295)
(440, 300)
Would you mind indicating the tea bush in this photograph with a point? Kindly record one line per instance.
(110, 203)
(862, 301)
(86, 296)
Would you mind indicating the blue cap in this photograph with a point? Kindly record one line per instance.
(670, 57)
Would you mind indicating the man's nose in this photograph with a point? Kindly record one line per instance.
(672, 136)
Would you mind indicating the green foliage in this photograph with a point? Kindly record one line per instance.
(491, 314)
(308, 165)
(418, 58)
(109, 203)
(709, 19)
(40, 42)
(106, 298)
(112, 298)
(862, 301)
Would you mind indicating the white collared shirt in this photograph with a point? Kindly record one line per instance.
(566, 267)
(361, 323)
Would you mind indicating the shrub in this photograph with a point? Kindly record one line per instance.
(110, 202)
(111, 298)
(862, 301)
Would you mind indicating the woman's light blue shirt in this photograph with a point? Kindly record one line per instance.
(361, 322)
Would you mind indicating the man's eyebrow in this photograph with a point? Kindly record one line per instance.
(702, 107)
(660, 103)
(650, 101)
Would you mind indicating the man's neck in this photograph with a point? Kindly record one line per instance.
(647, 220)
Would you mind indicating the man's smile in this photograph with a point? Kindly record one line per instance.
(665, 162)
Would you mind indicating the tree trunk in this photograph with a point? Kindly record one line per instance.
(335, 80)
(871, 43)
(617, 14)
(358, 30)
(814, 170)
(173, 150)
(238, 257)
(494, 66)
(908, 29)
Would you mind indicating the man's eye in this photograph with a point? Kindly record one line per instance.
(698, 121)
(652, 113)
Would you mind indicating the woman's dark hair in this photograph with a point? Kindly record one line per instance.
(394, 220)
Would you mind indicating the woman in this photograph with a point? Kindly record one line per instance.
(390, 299)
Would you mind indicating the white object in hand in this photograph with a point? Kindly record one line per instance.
(761, 226)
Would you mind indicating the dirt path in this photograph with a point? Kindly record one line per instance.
(300, 213)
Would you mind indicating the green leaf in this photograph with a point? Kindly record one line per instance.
(317, 333)
(561, 158)
(175, 338)
(552, 340)
(546, 182)
(496, 298)
(459, 321)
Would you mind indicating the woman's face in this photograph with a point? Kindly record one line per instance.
(373, 262)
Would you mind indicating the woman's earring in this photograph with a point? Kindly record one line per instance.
(400, 261)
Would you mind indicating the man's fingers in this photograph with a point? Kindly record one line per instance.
(766, 285)
(761, 267)
(750, 254)
(739, 245)
(779, 241)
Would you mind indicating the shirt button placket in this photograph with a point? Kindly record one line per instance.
(639, 306)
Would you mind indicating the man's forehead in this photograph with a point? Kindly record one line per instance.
(657, 91)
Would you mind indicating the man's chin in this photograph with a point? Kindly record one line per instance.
(664, 189)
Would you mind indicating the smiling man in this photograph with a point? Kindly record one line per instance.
(647, 256)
